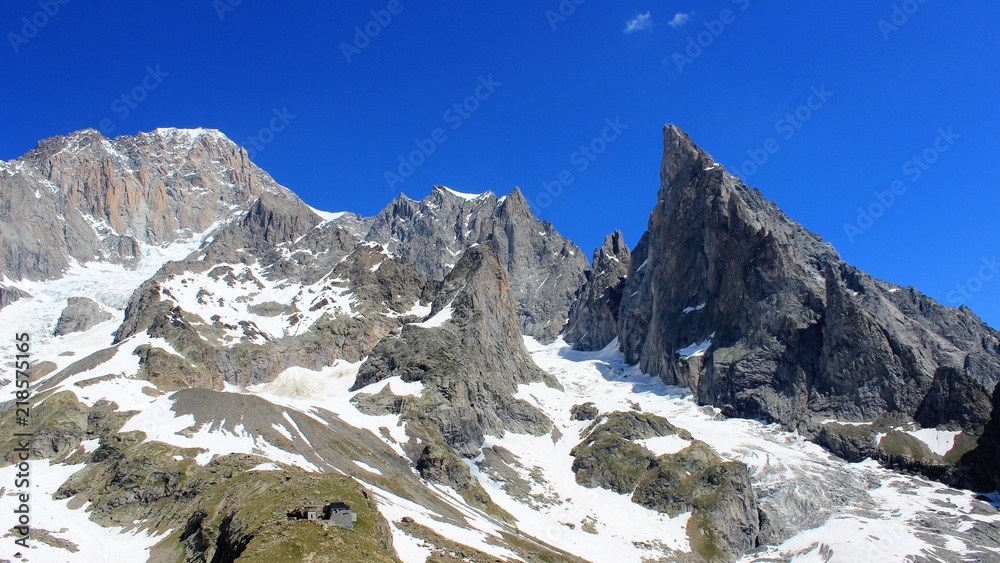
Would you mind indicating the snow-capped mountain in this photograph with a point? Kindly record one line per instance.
(83, 197)
(211, 355)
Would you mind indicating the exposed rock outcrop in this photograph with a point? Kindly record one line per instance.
(545, 270)
(725, 519)
(593, 319)
(350, 295)
(9, 295)
(980, 468)
(271, 221)
(585, 411)
(894, 448)
(223, 511)
(80, 314)
(382, 290)
(609, 458)
(56, 426)
(763, 319)
(851, 442)
(469, 355)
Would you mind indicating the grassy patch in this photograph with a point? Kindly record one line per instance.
(255, 506)
(852, 431)
(964, 443)
(901, 444)
(703, 538)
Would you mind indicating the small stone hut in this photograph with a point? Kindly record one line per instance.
(333, 514)
(340, 514)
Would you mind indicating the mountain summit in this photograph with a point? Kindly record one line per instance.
(728, 296)
(544, 268)
(107, 197)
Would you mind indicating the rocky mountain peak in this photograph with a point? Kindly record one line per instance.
(181, 135)
(479, 296)
(112, 196)
(680, 154)
(730, 297)
(593, 319)
(479, 263)
(122, 150)
(270, 221)
(544, 269)
(77, 141)
(469, 355)
(613, 247)
(515, 203)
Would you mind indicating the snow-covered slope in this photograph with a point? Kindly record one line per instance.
(829, 510)
(111, 285)
(834, 511)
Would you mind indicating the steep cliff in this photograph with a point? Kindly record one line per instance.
(545, 270)
(84, 197)
(469, 356)
(763, 319)
(593, 319)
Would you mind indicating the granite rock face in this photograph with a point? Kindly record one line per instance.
(545, 270)
(469, 356)
(761, 318)
(980, 469)
(105, 197)
(271, 221)
(80, 314)
(593, 319)
(9, 295)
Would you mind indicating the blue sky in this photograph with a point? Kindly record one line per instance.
(821, 106)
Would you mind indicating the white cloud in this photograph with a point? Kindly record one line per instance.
(680, 18)
(638, 23)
